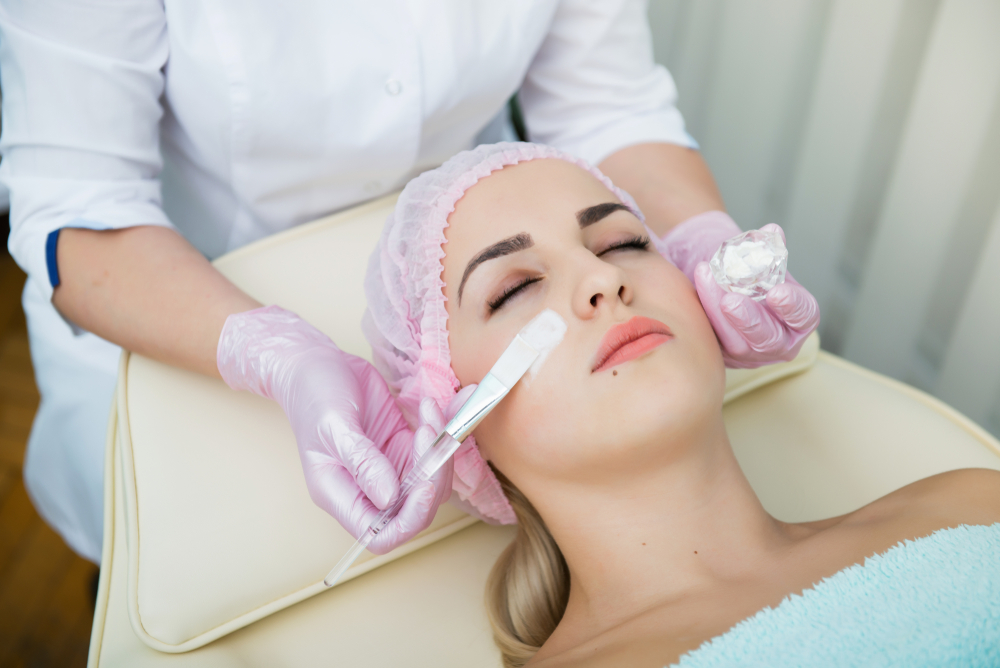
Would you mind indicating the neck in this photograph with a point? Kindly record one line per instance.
(675, 529)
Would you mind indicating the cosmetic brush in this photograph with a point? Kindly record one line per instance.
(527, 351)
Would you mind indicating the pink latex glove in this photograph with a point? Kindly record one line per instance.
(751, 333)
(353, 441)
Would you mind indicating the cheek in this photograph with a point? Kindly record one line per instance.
(666, 289)
(473, 351)
(698, 360)
(523, 432)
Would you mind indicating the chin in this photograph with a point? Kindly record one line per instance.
(669, 401)
(588, 425)
(667, 416)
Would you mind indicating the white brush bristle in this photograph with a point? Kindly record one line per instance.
(514, 362)
(530, 347)
(544, 332)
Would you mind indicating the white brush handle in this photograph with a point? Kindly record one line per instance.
(443, 447)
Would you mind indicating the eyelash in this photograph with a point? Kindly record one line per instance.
(636, 243)
(496, 304)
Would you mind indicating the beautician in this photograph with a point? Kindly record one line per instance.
(142, 138)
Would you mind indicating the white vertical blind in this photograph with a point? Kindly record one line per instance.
(835, 143)
(943, 134)
(970, 374)
(871, 132)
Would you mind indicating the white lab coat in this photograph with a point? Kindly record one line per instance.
(231, 120)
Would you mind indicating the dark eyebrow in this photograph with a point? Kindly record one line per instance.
(513, 244)
(598, 212)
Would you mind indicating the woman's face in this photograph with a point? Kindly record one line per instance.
(547, 234)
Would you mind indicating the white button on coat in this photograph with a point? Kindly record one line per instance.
(393, 87)
(235, 119)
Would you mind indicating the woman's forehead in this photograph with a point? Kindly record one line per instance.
(528, 193)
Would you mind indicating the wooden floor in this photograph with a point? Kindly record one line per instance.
(46, 599)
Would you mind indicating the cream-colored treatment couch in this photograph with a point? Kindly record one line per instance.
(214, 553)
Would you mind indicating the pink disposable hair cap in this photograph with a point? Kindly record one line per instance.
(406, 322)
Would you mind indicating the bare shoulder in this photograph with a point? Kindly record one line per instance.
(943, 501)
(963, 496)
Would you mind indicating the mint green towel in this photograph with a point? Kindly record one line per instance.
(934, 601)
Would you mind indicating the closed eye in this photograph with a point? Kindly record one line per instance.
(636, 243)
(498, 302)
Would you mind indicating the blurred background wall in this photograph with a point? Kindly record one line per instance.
(870, 130)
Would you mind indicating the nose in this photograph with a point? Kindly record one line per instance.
(601, 286)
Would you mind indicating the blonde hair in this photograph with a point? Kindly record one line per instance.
(528, 588)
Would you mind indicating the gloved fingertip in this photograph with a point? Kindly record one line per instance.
(466, 392)
(430, 414)
(735, 307)
(795, 305)
(419, 504)
(780, 297)
(709, 291)
(774, 227)
(379, 481)
(425, 492)
(759, 328)
(425, 405)
(382, 493)
(703, 271)
(423, 437)
(416, 515)
(458, 401)
(442, 480)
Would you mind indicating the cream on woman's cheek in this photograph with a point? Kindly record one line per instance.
(547, 336)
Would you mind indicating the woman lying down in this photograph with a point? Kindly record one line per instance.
(639, 538)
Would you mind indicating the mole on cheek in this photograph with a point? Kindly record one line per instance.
(614, 373)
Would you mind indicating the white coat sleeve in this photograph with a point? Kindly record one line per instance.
(594, 88)
(81, 88)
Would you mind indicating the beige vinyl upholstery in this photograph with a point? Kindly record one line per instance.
(214, 553)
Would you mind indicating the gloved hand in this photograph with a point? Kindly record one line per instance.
(751, 333)
(354, 442)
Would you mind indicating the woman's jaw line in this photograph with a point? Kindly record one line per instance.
(629, 340)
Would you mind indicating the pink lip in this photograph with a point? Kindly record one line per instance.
(630, 340)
